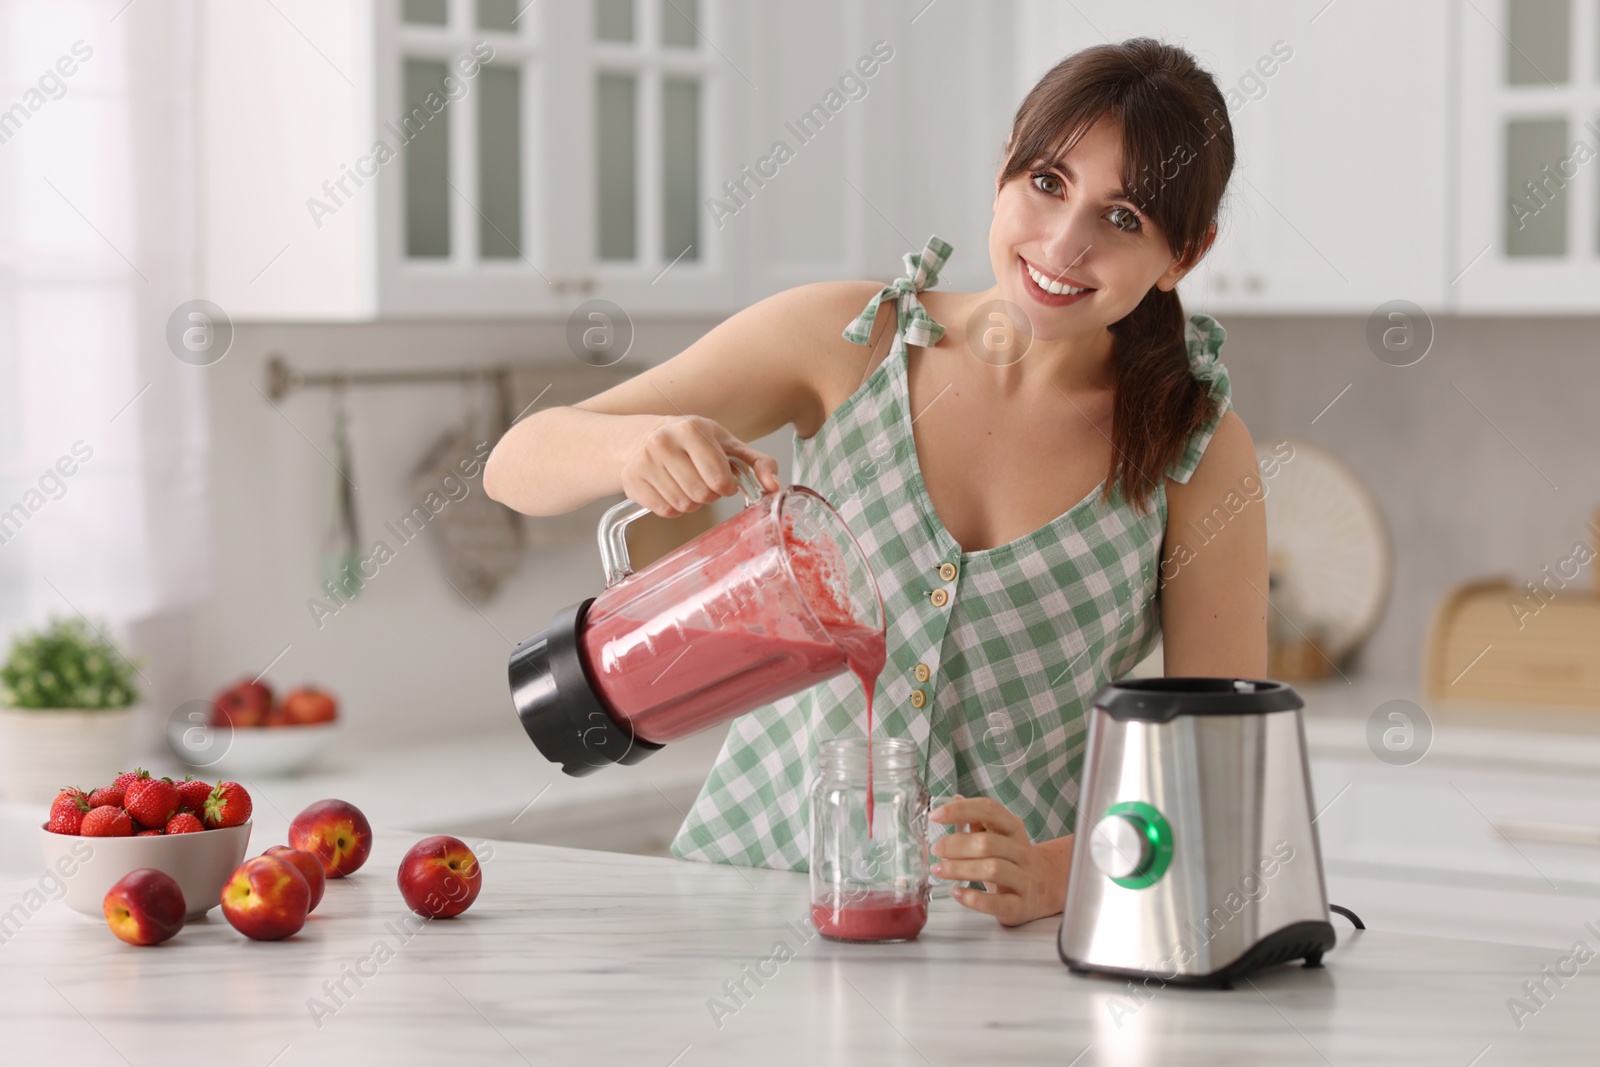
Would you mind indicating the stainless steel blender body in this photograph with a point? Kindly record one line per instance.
(1196, 858)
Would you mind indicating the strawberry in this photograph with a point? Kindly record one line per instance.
(148, 833)
(106, 794)
(127, 778)
(228, 805)
(66, 820)
(66, 794)
(184, 823)
(193, 793)
(152, 801)
(70, 800)
(106, 821)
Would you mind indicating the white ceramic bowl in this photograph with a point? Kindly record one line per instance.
(252, 751)
(200, 863)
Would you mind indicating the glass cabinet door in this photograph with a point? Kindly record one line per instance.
(549, 153)
(1530, 155)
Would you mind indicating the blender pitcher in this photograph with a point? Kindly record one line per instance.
(772, 601)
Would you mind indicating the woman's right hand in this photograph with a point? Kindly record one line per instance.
(683, 463)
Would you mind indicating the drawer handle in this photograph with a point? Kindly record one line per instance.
(1550, 833)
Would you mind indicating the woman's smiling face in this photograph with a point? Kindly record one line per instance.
(1072, 224)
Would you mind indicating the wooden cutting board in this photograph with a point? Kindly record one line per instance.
(1496, 640)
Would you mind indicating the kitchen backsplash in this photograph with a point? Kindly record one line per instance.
(1482, 457)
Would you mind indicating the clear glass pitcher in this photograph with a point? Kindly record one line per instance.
(763, 605)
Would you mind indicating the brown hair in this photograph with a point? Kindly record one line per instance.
(1177, 158)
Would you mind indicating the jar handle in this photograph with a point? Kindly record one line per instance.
(614, 523)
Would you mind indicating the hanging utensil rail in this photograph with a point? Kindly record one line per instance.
(282, 378)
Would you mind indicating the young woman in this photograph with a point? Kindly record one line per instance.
(1027, 470)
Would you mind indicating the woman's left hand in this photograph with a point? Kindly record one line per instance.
(1024, 881)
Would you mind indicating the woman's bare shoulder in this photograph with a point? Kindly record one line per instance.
(813, 317)
(822, 310)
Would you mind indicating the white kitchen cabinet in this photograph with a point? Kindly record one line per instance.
(913, 153)
(286, 100)
(1493, 835)
(1338, 200)
(1343, 174)
(642, 117)
(1530, 138)
(616, 149)
(477, 157)
(1357, 182)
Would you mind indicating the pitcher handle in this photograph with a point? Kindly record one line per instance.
(614, 523)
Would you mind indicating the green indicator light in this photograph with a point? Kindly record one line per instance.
(1157, 834)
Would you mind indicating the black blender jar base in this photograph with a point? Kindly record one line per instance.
(558, 705)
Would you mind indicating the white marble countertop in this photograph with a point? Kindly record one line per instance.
(575, 957)
(460, 783)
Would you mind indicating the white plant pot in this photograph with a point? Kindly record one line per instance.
(47, 749)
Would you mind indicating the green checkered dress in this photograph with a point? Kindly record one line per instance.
(1011, 654)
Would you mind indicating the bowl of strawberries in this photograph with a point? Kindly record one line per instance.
(247, 731)
(192, 830)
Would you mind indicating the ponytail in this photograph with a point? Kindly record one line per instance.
(1159, 402)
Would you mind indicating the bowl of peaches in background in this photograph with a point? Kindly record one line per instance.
(247, 731)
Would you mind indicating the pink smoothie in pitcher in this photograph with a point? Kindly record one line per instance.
(690, 687)
(749, 640)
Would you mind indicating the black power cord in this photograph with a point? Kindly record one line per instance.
(1348, 914)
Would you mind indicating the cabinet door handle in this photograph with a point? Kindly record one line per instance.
(1550, 833)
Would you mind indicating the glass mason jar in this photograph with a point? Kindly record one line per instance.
(869, 887)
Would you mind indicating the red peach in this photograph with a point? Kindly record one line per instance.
(310, 705)
(145, 907)
(309, 867)
(336, 833)
(266, 898)
(440, 877)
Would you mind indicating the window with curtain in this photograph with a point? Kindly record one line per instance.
(102, 431)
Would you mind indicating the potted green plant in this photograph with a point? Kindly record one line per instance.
(66, 705)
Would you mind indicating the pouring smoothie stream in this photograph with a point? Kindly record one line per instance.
(771, 602)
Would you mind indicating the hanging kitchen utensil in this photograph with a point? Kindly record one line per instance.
(479, 541)
(341, 549)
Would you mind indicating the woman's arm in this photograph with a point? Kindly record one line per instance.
(663, 436)
(1214, 563)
